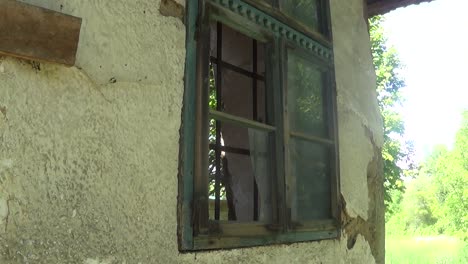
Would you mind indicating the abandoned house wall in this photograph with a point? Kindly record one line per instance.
(89, 154)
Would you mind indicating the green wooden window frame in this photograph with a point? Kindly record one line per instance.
(265, 23)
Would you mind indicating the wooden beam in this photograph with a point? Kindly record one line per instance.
(380, 7)
(36, 33)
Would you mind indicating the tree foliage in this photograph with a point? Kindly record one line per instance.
(436, 201)
(395, 154)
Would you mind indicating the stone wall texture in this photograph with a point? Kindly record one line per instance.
(89, 154)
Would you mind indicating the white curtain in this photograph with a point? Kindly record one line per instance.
(258, 142)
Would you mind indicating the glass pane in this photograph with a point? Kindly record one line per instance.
(237, 48)
(304, 11)
(310, 181)
(244, 173)
(242, 68)
(305, 97)
(239, 96)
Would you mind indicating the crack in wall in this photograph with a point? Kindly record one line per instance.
(7, 217)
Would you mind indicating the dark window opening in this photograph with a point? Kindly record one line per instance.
(238, 156)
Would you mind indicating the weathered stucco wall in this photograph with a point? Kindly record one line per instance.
(89, 154)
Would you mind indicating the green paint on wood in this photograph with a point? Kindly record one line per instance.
(273, 25)
(278, 36)
(188, 128)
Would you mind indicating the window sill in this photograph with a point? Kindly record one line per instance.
(228, 235)
(223, 242)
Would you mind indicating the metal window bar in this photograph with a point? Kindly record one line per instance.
(237, 69)
(228, 149)
(255, 117)
(219, 43)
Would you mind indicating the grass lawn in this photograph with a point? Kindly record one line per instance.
(414, 250)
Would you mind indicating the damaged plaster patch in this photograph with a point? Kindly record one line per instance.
(361, 252)
(3, 110)
(5, 165)
(108, 260)
(355, 156)
(3, 116)
(172, 8)
(372, 228)
(353, 226)
(5, 198)
(4, 210)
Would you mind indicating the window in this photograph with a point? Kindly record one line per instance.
(259, 150)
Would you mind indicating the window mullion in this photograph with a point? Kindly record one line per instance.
(274, 116)
(334, 153)
(329, 106)
(187, 157)
(200, 212)
(255, 116)
(283, 137)
(312, 138)
(324, 18)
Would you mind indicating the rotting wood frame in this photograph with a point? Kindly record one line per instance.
(278, 33)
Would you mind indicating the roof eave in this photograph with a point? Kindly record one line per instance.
(384, 6)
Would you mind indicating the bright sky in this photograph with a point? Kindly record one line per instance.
(432, 41)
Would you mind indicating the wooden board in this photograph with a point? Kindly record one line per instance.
(36, 33)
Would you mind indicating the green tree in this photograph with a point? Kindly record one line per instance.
(450, 173)
(436, 201)
(389, 84)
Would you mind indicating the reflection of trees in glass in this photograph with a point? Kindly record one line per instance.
(305, 95)
(309, 160)
(304, 11)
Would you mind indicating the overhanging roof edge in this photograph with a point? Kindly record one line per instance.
(380, 7)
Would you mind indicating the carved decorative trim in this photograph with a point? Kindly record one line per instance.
(275, 26)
